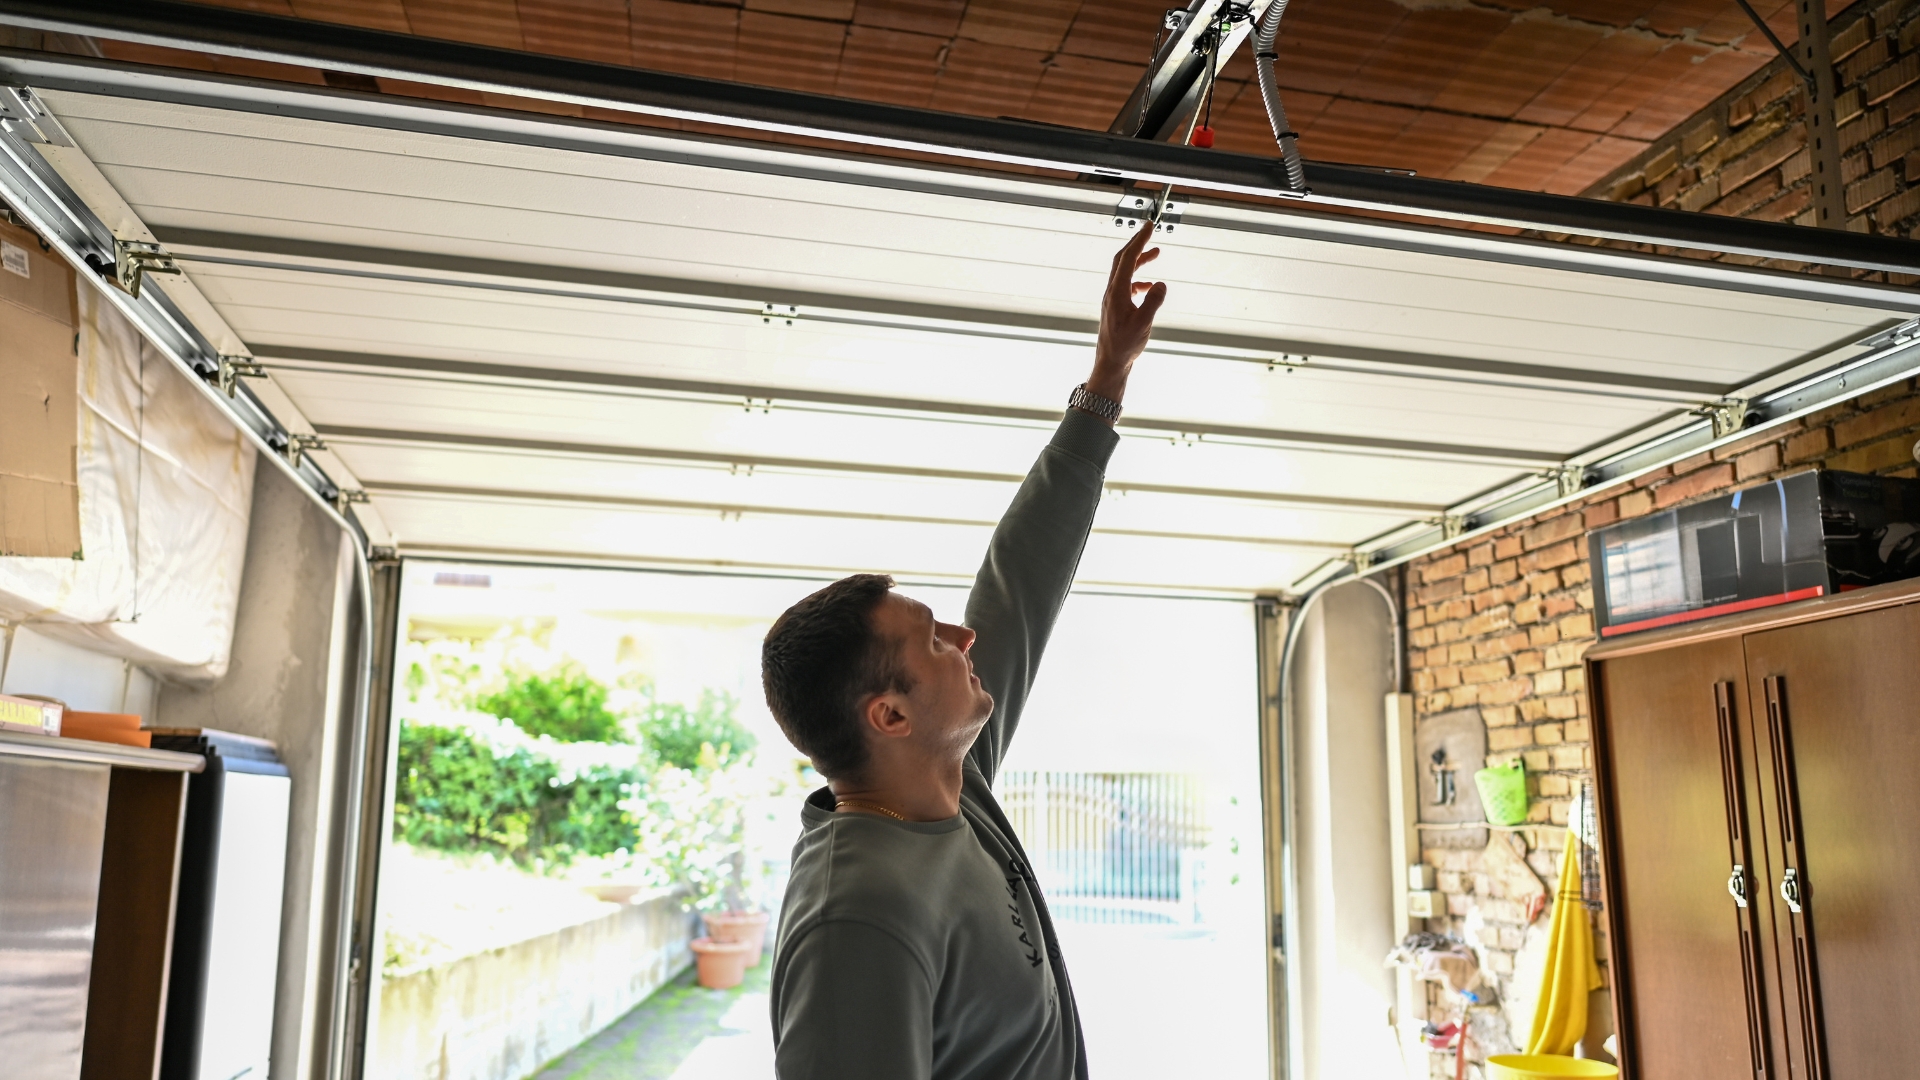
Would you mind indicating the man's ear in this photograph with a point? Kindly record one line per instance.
(886, 716)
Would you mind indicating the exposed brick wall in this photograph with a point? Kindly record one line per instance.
(1500, 622)
(1746, 154)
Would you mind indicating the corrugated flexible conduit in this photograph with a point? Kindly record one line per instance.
(1264, 37)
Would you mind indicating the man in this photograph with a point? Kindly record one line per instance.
(914, 943)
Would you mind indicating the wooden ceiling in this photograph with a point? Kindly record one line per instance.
(1547, 96)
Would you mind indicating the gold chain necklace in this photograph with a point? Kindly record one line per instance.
(875, 807)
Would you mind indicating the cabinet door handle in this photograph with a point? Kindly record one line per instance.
(1790, 889)
(1805, 1027)
(1737, 884)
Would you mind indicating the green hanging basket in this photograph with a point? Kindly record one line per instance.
(1503, 792)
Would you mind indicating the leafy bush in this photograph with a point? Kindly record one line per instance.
(565, 704)
(676, 734)
(692, 825)
(456, 793)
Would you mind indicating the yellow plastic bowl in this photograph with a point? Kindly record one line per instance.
(1544, 1067)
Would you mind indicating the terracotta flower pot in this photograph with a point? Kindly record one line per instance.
(722, 963)
(746, 926)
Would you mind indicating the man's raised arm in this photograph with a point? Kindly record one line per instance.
(1035, 550)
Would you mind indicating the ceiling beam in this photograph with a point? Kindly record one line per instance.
(381, 54)
(348, 434)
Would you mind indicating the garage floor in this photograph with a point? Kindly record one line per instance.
(682, 1033)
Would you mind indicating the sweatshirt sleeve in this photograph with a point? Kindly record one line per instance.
(850, 1002)
(1029, 566)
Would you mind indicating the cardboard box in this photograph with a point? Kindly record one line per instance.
(122, 728)
(30, 716)
(39, 400)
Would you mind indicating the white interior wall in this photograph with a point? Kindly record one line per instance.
(1343, 907)
(290, 681)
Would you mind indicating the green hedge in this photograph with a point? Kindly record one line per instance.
(565, 704)
(454, 793)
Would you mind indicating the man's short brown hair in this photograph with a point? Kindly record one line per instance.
(821, 660)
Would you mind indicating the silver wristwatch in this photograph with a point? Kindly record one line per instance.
(1088, 401)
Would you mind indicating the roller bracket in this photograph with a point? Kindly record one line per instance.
(133, 260)
(299, 444)
(233, 369)
(1728, 415)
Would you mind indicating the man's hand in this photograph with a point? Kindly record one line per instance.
(1124, 324)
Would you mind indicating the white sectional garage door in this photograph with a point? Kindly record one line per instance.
(544, 338)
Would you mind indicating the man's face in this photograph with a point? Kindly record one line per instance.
(947, 705)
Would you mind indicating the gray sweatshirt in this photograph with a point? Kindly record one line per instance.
(923, 950)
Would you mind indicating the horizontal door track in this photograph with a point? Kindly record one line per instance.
(490, 70)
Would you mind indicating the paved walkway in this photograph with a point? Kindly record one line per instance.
(682, 1033)
(1157, 1002)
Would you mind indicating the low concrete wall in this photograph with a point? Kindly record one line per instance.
(502, 1014)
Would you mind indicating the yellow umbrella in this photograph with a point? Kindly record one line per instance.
(1560, 1014)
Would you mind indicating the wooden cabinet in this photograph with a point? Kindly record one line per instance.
(1758, 796)
(89, 851)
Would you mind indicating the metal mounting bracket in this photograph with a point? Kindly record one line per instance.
(1569, 479)
(235, 368)
(1728, 415)
(300, 443)
(1359, 560)
(22, 114)
(133, 260)
(1136, 207)
(772, 311)
(346, 497)
(1451, 525)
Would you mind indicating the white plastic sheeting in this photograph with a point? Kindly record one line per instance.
(166, 486)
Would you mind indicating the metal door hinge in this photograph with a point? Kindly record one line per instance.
(1451, 525)
(23, 114)
(299, 444)
(771, 311)
(1728, 415)
(133, 260)
(233, 369)
(346, 497)
(1135, 207)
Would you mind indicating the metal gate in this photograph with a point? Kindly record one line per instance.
(1112, 847)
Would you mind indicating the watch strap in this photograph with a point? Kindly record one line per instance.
(1087, 401)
